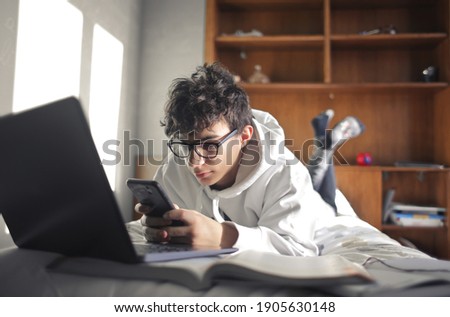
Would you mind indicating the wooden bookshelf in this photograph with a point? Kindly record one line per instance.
(316, 57)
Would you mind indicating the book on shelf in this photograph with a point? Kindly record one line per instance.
(417, 209)
(248, 266)
(411, 214)
(418, 164)
(417, 220)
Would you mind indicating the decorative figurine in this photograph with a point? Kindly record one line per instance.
(391, 29)
(258, 77)
(364, 159)
(430, 74)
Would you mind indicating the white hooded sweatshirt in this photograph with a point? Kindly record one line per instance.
(272, 203)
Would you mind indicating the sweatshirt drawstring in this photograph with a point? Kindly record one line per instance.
(198, 200)
(216, 212)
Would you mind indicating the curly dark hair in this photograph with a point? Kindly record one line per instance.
(208, 96)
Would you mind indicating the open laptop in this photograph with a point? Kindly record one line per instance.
(54, 193)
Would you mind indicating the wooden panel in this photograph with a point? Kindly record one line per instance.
(443, 53)
(298, 65)
(274, 41)
(354, 88)
(327, 73)
(267, 4)
(441, 127)
(381, 65)
(285, 20)
(432, 241)
(406, 40)
(397, 125)
(362, 188)
(211, 31)
(405, 19)
(421, 188)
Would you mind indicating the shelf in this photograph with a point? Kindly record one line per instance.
(337, 40)
(342, 4)
(395, 168)
(270, 41)
(345, 87)
(387, 40)
(373, 4)
(269, 4)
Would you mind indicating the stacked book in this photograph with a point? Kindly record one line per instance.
(413, 215)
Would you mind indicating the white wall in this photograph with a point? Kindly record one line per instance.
(172, 46)
(8, 36)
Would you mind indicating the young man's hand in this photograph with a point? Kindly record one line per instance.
(153, 225)
(198, 230)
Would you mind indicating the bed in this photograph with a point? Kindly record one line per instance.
(398, 270)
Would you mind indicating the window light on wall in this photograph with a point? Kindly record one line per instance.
(105, 92)
(48, 53)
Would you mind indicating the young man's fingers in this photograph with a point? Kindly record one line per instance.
(183, 215)
(154, 221)
(177, 232)
(155, 235)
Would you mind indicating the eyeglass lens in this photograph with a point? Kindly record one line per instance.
(206, 150)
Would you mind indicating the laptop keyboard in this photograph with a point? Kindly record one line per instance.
(160, 248)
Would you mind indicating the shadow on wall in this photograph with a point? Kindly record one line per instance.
(5, 238)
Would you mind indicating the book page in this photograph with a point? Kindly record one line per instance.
(289, 267)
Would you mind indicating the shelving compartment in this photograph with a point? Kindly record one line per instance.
(411, 36)
(282, 17)
(432, 241)
(418, 187)
(365, 188)
(416, 16)
(281, 65)
(381, 64)
(428, 187)
(290, 48)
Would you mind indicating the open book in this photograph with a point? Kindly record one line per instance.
(249, 266)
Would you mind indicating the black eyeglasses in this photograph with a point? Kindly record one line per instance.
(205, 149)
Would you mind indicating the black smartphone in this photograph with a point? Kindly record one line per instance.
(150, 193)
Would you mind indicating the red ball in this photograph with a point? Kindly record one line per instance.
(364, 159)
